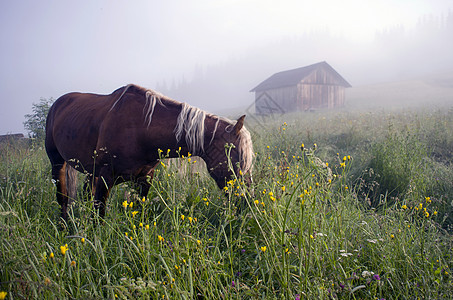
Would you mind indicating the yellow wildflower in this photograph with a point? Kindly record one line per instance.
(64, 248)
(263, 249)
(143, 199)
(141, 224)
(392, 236)
(134, 213)
(182, 217)
(428, 199)
(51, 255)
(160, 238)
(435, 213)
(198, 242)
(3, 295)
(257, 202)
(190, 219)
(73, 263)
(82, 240)
(125, 204)
(147, 226)
(404, 206)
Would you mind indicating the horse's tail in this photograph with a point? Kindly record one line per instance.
(71, 182)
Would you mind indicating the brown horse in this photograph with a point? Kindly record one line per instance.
(117, 137)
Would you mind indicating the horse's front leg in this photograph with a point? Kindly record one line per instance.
(144, 184)
(143, 181)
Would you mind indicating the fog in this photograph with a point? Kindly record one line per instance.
(210, 53)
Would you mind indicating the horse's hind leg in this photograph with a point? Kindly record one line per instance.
(89, 187)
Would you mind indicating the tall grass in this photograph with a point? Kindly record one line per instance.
(364, 213)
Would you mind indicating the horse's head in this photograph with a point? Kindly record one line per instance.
(229, 152)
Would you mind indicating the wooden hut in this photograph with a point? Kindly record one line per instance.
(311, 87)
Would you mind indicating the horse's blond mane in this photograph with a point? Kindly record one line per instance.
(246, 153)
(191, 124)
(152, 98)
(191, 121)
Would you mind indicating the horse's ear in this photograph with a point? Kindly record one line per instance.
(239, 124)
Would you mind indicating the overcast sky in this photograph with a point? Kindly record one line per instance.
(49, 48)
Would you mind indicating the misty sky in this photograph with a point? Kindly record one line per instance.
(49, 48)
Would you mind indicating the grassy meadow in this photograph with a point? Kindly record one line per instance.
(347, 205)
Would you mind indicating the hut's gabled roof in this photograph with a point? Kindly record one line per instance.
(293, 77)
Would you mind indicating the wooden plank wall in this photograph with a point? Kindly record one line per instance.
(307, 96)
(320, 96)
(320, 89)
(286, 97)
(321, 76)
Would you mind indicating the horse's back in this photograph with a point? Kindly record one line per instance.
(73, 124)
